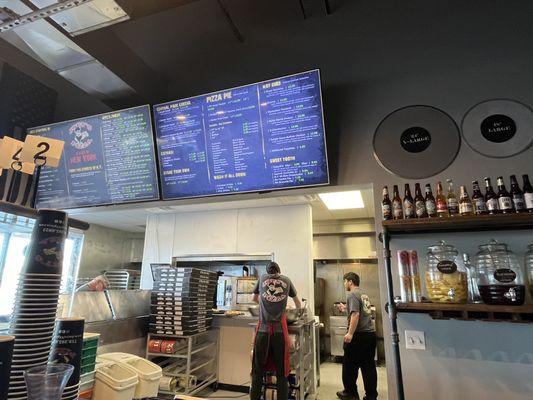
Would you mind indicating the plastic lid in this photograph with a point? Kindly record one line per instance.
(116, 375)
(145, 369)
(89, 335)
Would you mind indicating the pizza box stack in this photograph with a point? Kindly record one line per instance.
(182, 300)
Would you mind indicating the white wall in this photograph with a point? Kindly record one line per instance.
(286, 231)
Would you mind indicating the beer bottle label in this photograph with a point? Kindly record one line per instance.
(505, 203)
(442, 207)
(386, 211)
(431, 207)
(518, 201)
(453, 206)
(528, 198)
(492, 204)
(397, 209)
(420, 207)
(480, 205)
(465, 208)
(409, 209)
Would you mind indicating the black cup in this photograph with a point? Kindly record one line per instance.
(47, 243)
(6, 355)
(68, 345)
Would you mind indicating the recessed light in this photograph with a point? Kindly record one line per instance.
(342, 200)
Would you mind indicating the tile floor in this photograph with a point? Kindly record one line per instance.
(330, 383)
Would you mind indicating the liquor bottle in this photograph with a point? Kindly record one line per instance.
(397, 207)
(478, 199)
(517, 196)
(504, 197)
(420, 203)
(442, 206)
(408, 203)
(528, 193)
(431, 206)
(451, 199)
(491, 198)
(386, 205)
(465, 204)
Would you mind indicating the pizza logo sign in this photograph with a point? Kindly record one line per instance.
(81, 136)
(274, 290)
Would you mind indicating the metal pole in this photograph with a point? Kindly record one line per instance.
(392, 318)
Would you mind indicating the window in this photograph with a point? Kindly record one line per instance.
(15, 236)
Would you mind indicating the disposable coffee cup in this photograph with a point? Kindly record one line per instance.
(47, 243)
(6, 355)
(68, 345)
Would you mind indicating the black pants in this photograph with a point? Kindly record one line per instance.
(359, 353)
(275, 345)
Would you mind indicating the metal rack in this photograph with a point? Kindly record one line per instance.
(456, 224)
(193, 366)
(303, 364)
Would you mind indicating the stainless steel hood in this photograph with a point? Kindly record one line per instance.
(45, 42)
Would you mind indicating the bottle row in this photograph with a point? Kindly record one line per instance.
(495, 277)
(449, 204)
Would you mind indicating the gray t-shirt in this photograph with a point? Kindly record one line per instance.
(357, 301)
(273, 291)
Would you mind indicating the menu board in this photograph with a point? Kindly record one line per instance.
(259, 137)
(107, 159)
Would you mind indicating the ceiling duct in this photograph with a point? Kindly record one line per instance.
(31, 32)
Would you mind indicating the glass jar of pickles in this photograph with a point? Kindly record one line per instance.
(499, 275)
(529, 267)
(446, 276)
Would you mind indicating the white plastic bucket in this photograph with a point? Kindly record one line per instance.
(114, 382)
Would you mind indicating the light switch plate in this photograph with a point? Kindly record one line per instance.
(415, 340)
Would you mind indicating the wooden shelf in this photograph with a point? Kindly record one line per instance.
(459, 224)
(16, 209)
(470, 312)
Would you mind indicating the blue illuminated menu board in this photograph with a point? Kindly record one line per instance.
(107, 159)
(264, 136)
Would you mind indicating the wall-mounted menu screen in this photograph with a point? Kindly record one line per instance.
(259, 137)
(107, 159)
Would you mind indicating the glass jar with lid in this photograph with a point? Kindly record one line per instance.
(499, 275)
(529, 267)
(446, 276)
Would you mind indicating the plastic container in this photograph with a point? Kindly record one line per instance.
(90, 339)
(149, 374)
(89, 360)
(87, 369)
(114, 382)
(87, 377)
(446, 276)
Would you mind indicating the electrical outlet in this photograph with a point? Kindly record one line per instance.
(415, 340)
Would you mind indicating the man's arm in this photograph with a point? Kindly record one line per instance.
(354, 320)
(297, 302)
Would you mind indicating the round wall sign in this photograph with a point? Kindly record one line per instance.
(416, 142)
(498, 128)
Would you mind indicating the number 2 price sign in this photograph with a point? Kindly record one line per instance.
(42, 151)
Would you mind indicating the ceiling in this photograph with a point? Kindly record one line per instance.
(132, 218)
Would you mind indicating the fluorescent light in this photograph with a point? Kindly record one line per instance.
(342, 200)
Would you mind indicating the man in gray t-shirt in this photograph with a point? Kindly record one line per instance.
(359, 343)
(271, 344)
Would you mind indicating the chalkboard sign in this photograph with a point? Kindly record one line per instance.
(107, 159)
(258, 137)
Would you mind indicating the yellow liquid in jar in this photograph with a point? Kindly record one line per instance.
(447, 288)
